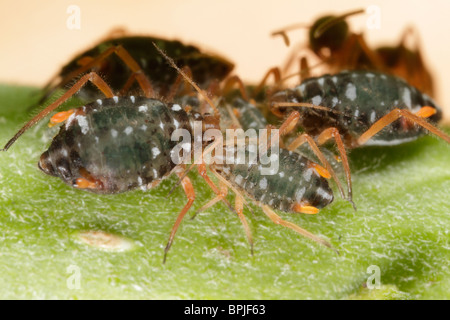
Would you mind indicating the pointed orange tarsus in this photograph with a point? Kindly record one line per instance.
(426, 112)
(305, 209)
(60, 117)
(82, 183)
(320, 170)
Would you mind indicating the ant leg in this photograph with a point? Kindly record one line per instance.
(92, 77)
(189, 191)
(304, 69)
(278, 220)
(352, 50)
(395, 114)
(334, 133)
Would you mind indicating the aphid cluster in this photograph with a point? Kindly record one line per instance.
(121, 139)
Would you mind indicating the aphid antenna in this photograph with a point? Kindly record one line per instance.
(188, 79)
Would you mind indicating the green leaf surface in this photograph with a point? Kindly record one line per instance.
(58, 242)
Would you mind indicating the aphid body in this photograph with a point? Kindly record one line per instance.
(117, 144)
(295, 183)
(107, 59)
(354, 100)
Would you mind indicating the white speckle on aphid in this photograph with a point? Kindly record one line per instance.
(128, 130)
(99, 102)
(299, 194)
(334, 101)
(176, 107)
(82, 122)
(132, 99)
(143, 108)
(308, 174)
(263, 183)
(373, 116)
(116, 99)
(350, 92)
(407, 97)
(155, 152)
(316, 100)
(321, 81)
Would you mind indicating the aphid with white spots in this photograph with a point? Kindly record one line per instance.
(358, 108)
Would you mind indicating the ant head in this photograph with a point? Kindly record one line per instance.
(328, 32)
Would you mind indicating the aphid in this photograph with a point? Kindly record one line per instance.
(299, 186)
(107, 59)
(117, 144)
(332, 41)
(358, 108)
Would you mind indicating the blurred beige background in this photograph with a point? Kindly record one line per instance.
(36, 41)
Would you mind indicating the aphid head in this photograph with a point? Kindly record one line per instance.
(56, 164)
(46, 166)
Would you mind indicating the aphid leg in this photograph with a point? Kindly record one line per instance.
(239, 207)
(123, 54)
(275, 71)
(92, 77)
(87, 181)
(333, 133)
(175, 87)
(278, 220)
(221, 193)
(235, 80)
(288, 125)
(190, 194)
(239, 204)
(395, 114)
(145, 85)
